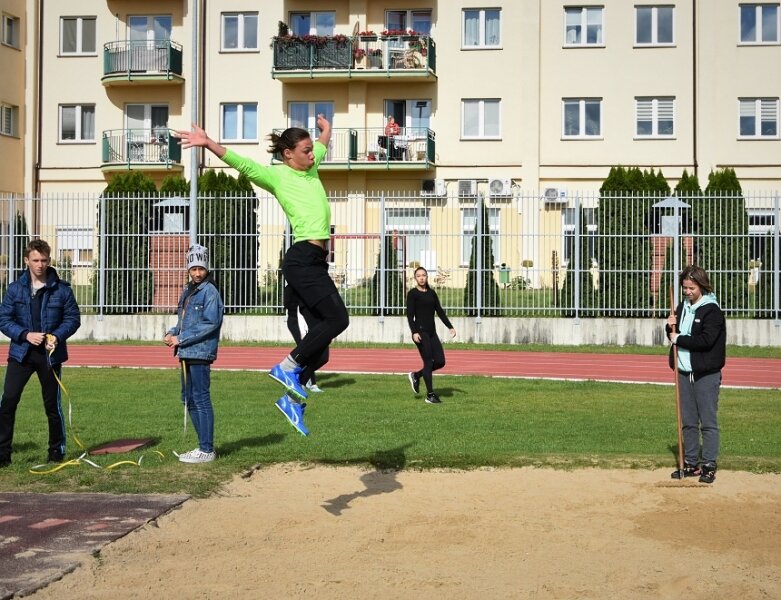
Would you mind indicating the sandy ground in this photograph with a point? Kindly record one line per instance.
(292, 531)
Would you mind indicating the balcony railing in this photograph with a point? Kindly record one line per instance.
(373, 56)
(142, 59)
(370, 148)
(155, 148)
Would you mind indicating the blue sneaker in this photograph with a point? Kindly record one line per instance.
(290, 380)
(294, 413)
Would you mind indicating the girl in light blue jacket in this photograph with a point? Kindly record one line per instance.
(195, 339)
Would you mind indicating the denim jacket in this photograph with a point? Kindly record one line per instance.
(200, 320)
(59, 315)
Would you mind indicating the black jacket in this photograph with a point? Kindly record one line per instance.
(707, 341)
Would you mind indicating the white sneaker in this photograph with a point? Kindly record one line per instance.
(312, 387)
(196, 456)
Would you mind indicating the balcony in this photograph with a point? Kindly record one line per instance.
(370, 149)
(152, 62)
(143, 149)
(397, 58)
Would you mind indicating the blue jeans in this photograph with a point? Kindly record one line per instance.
(196, 396)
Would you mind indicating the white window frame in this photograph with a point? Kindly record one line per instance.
(494, 232)
(240, 108)
(657, 109)
(241, 30)
(313, 21)
(482, 43)
(654, 25)
(11, 31)
(481, 104)
(79, 120)
(584, 24)
(9, 120)
(394, 223)
(79, 36)
(759, 9)
(581, 135)
(767, 107)
(75, 238)
(409, 19)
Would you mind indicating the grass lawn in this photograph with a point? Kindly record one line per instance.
(375, 420)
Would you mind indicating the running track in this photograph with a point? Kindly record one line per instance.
(739, 372)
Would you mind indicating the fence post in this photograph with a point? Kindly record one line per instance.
(11, 237)
(102, 259)
(576, 260)
(479, 259)
(383, 266)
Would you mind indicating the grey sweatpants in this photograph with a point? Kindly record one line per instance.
(699, 408)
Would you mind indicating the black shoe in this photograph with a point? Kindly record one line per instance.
(5, 462)
(689, 470)
(56, 457)
(432, 398)
(708, 473)
(414, 381)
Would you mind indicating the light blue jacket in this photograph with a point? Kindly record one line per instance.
(200, 319)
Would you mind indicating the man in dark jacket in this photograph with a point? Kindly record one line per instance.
(39, 312)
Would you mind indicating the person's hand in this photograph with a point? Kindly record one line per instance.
(195, 137)
(322, 123)
(452, 332)
(673, 337)
(35, 338)
(51, 342)
(416, 338)
(167, 339)
(672, 320)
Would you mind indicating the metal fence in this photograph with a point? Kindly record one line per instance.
(508, 253)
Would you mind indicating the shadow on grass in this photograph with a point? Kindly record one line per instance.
(334, 380)
(387, 464)
(252, 442)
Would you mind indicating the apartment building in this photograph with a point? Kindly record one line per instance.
(502, 96)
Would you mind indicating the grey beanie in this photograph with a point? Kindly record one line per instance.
(197, 256)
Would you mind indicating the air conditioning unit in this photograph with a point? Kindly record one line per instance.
(555, 196)
(433, 187)
(499, 188)
(467, 187)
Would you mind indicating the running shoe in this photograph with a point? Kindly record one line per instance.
(312, 387)
(293, 412)
(432, 398)
(290, 380)
(414, 381)
(197, 456)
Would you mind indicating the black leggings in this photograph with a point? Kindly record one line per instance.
(433, 356)
(329, 319)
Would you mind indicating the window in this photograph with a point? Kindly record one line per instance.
(411, 226)
(240, 31)
(11, 31)
(582, 118)
(74, 245)
(304, 115)
(590, 221)
(480, 119)
(413, 116)
(583, 26)
(759, 23)
(240, 122)
(77, 35)
(312, 23)
(758, 117)
(77, 122)
(761, 227)
(401, 20)
(654, 25)
(9, 120)
(468, 231)
(481, 28)
(150, 29)
(655, 117)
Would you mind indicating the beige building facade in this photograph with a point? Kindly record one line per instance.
(522, 95)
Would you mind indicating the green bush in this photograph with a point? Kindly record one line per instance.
(393, 275)
(483, 280)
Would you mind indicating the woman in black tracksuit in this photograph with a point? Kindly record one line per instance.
(422, 303)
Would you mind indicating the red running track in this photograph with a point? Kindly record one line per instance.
(739, 372)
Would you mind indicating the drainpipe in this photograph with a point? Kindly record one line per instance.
(694, 86)
(39, 101)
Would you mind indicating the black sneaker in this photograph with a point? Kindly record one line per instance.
(414, 381)
(5, 462)
(432, 398)
(708, 473)
(56, 457)
(689, 470)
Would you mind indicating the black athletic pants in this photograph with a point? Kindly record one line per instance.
(433, 356)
